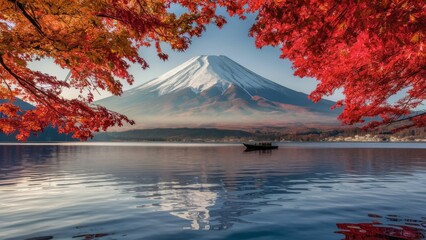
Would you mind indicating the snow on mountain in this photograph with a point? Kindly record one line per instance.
(203, 72)
(214, 91)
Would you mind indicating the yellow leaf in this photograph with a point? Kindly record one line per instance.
(416, 37)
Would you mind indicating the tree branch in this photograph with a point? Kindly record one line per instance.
(30, 18)
(26, 85)
(409, 118)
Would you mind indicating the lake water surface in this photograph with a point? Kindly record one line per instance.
(212, 191)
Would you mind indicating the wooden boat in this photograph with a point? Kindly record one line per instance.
(260, 146)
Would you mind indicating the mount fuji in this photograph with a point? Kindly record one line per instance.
(215, 91)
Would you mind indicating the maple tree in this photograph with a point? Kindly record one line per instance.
(372, 49)
(96, 40)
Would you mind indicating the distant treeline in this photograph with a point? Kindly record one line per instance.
(171, 134)
(213, 134)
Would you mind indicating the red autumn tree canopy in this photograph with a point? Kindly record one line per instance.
(96, 40)
(372, 49)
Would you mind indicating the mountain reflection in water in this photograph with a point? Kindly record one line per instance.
(130, 191)
(190, 203)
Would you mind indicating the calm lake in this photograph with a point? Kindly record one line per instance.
(212, 191)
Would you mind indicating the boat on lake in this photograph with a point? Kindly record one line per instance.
(260, 146)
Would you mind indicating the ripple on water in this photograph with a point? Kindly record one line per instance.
(205, 192)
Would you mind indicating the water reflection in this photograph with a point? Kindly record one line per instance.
(262, 151)
(189, 202)
(129, 191)
(384, 229)
(16, 162)
(14, 156)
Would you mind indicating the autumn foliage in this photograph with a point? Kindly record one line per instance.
(96, 40)
(372, 49)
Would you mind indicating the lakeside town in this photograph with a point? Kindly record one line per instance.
(374, 138)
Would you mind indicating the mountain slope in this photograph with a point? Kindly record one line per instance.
(216, 91)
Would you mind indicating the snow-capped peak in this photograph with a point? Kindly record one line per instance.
(203, 72)
(230, 95)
